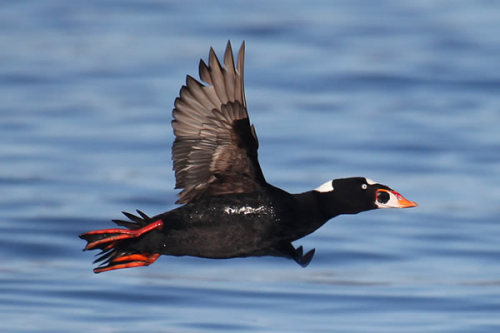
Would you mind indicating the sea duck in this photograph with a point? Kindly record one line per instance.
(228, 208)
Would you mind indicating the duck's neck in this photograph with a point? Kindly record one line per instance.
(316, 208)
(312, 212)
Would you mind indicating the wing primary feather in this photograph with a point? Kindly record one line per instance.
(240, 85)
(217, 75)
(204, 72)
(230, 77)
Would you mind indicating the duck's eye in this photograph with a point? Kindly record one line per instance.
(364, 186)
(383, 197)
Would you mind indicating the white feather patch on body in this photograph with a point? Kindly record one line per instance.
(244, 210)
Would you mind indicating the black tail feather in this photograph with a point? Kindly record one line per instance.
(103, 255)
(135, 222)
(126, 224)
(143, 215)
(134, 218)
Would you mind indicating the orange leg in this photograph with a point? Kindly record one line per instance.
(116, 234)
(129, 260)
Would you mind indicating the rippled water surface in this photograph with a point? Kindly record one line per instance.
(404, 92)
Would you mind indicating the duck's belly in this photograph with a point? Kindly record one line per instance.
(230, 226)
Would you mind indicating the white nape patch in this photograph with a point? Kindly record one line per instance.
(244, 210)
(326, 187)
(370, 182)
(392, 203)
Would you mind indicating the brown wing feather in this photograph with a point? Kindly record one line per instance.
(215, 150)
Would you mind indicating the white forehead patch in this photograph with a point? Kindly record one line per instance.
(326, 187)
(370, 182)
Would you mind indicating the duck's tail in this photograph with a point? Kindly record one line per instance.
(115, 244)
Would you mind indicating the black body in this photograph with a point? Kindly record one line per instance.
(248, 224)
(236, 225)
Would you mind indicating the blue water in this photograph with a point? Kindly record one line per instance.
(404, 92)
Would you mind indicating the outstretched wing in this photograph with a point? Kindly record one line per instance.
(215, 149)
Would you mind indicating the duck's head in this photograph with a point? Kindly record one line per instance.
(357, 194)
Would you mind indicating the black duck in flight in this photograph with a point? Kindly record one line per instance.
(228, 208)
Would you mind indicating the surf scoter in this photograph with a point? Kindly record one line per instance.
(229, 210)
